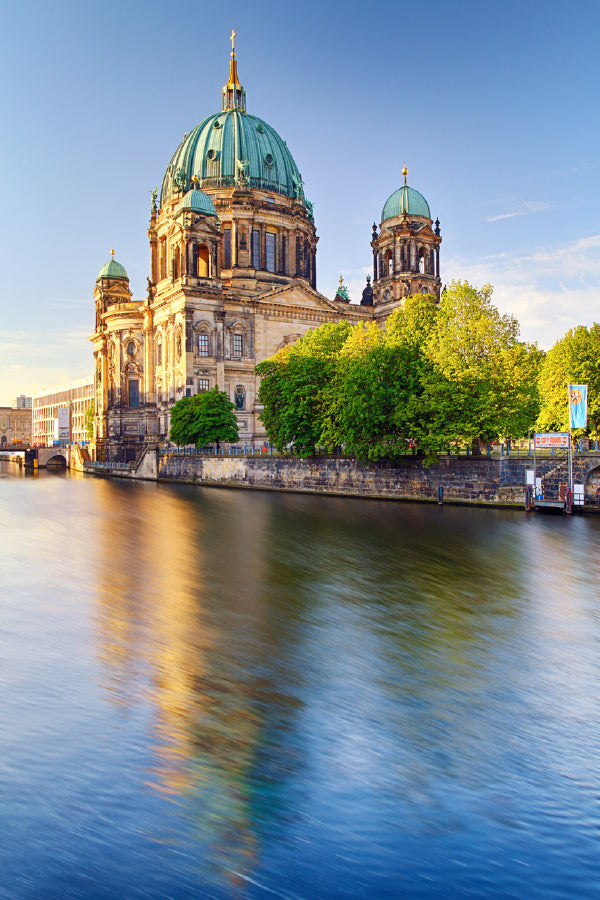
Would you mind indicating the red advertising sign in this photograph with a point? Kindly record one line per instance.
(553, 440)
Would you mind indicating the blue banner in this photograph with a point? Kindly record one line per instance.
(578, 405)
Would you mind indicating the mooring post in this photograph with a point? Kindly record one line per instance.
(441, 495)
(569, 502)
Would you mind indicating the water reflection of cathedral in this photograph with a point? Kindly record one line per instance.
(233, 250)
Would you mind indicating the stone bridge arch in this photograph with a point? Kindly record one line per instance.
(592, 484)
(57, 461)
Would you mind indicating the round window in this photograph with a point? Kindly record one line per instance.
(211, 155)
(268, 160)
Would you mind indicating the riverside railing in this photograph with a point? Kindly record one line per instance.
(110, 464)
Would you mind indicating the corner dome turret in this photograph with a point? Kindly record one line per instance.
(112, 269)
(405, 201)
(198, 202)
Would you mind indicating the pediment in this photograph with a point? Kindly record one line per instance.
(296, 295)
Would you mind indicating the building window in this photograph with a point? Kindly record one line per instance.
(131, 348)
(238, 345)
(133, 393)
(203, 349)
(255, 248)
(178, 346)
(159, 354)
(227, 248)
(202, 262)
(270, 251)
(203, 385)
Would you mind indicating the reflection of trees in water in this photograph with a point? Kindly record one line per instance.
(415, 603)
(252, 620)
(183, 620)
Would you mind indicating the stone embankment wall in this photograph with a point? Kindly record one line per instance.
(499, 482)
(463, 480)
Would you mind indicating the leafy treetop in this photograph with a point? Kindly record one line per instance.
(206, 418)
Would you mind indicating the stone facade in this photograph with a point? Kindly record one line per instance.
(76, 396)
(15, 426)
(232, 280)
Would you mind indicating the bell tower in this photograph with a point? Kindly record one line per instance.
(406, 250)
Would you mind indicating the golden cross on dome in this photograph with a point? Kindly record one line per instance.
(232, 39)
(112, 253)
(405, 173)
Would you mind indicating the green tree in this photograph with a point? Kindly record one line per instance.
(206, 418)
(89, 420)
(374, 397)
(439, 375)
(293, 387)
(574, 359)
(483, 382)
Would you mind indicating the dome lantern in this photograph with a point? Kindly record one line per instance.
(234, 95)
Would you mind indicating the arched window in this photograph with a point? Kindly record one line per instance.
(422, 261)
(203, 262)
(131, 348)
(389, 263)
(159, 353)
(176, 263)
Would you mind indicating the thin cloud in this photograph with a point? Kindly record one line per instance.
(526, 208)
(548, 291)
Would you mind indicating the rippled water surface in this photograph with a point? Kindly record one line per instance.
(230, 694)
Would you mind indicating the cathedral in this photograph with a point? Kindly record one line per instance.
(233, 251)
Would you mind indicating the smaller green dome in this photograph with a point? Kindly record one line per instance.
(405, 200)
(112, 269)
(197, 201)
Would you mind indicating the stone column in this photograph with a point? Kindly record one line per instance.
(220, 347)
(148, 332)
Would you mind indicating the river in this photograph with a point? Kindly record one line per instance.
(234, 694)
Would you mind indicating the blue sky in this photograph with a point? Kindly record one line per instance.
(493, 106)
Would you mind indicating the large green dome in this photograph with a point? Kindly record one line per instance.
(405, 200)
(232, 148)
(228, 146)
